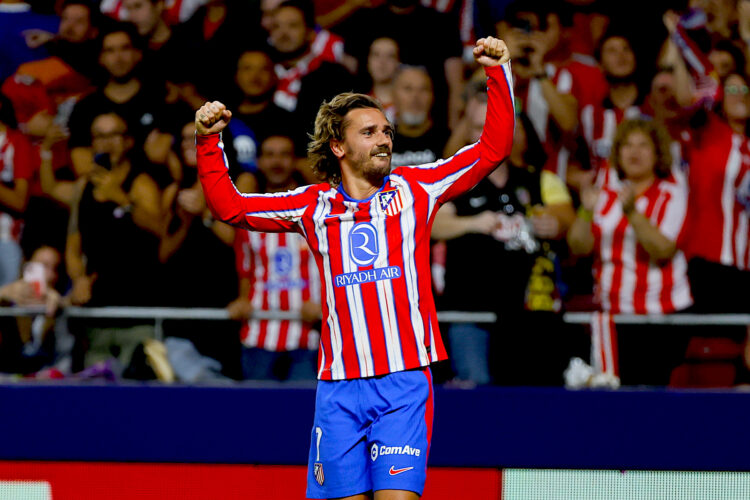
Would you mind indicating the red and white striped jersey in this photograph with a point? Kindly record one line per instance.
(379, 315)
(15, 163)
(718, 227)
(283, 275)
(627, 280)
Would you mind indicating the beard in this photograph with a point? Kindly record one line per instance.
(371, 169)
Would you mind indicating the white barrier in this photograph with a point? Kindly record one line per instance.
(159, 314)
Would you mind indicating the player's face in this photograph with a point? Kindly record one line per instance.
(736, 98)
(75, 23)
(118, 55)
(618, 59)
(276, 160)
(255, 76)
(382, 60)
(637, 156)
(412, 95)
(144, 14)
(289, 32)
(368, 142)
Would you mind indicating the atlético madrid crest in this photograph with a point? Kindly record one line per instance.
(390, 201)
(318, 472)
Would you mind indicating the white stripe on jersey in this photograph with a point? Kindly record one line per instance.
(321, 232)
(354, 297)
(408, 249)
(627, 279)
(436, 189)
(681, 298)
(587, 124)
(728, 200)
(386, 299)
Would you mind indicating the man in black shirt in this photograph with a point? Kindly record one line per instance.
(418, 138)
(125, 93)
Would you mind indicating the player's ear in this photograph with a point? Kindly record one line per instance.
(337, 147)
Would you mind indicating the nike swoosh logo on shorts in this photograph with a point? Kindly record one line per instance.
(393, 471)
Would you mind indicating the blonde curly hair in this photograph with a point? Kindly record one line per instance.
(330, 124)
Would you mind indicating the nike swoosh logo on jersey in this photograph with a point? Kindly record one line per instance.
(393, 471)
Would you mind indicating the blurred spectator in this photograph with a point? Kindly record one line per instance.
(726, 58)
(15, 173)
(71, 67)
(219, 32)
(190, 235)
(599, 121)
(138, 101)
(441, 55)
(175, 11)
(255, 115)
(17, 19)
(307, 68)
(720, 17)
(418, 139)
(111, 253)
(382, 63)
(505, 229)
(542, 89)
(164, 57)
(277, 272)
(638, 268)
(716, 238)
(27, 343)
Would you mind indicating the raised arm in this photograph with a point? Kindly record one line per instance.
(446, 179)
(277, 212)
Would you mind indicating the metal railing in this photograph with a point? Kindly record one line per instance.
(159, 314)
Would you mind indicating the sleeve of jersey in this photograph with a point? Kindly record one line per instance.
(446, 179)
(675, 209)
(277, 212)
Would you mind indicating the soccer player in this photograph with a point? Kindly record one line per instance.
(368, 227)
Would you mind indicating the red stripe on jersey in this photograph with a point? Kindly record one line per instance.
(618, 240)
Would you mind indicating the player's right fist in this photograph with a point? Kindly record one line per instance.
(211, 118)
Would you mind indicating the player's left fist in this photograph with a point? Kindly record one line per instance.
(211, 118)
(491, 51)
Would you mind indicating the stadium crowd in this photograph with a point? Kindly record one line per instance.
(627, 190)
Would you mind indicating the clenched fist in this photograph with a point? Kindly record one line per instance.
(211, 118)
(491, 51)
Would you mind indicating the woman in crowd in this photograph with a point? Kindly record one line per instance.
(637, 266)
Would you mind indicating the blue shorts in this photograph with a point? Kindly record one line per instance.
(371, 434)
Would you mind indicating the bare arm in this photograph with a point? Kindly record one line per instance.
(17, 197)
(580, 235)
(447, 225)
